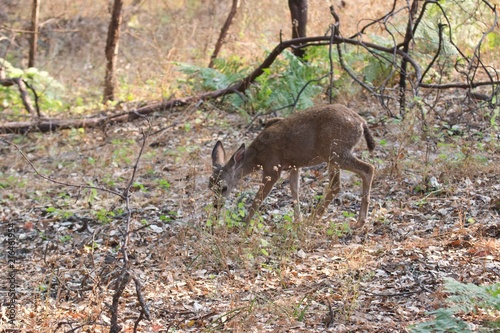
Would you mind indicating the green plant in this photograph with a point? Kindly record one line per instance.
(348, 215)
(289, 80)
(231, 216)
(139, 186)
(235, 215)
(65, 238)
(92, 193)
(493, 118)
(169, 217)
(58, 213)
(279, 86)
(224, 73)
(338, 230)
(299, 311)
(104, 216)
(11, 181)
(464, 299)
(264, 244)
(123, 152)
(47, 88)
(163, 184)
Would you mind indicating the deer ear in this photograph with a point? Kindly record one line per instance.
(218, 154)
(239, 156)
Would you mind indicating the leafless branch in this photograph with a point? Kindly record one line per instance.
(223, 31)
(125, 274)
(333, 38)
(55, 181)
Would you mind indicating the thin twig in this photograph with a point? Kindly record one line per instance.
(57, 181)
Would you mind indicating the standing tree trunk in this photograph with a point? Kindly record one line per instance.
(112, 50)
(34, 31)
(404, 63)
(223, 32)
(298, 9)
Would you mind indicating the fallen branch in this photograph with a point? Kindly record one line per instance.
(48, 125)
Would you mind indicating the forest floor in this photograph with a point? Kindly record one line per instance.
(434, 214)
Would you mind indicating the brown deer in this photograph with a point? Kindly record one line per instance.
(326, 133)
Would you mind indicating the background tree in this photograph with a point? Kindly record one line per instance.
(298, 10)
(112, 50)
(34, 28)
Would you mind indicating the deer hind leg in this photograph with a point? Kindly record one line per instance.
(295, 186)
(332, 190)
(268, 181)
(366, 172)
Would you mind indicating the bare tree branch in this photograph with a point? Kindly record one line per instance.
(334, 38)
(223, 32)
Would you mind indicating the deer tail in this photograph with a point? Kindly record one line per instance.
(370, 142)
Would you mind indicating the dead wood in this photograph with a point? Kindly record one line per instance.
(48, 125)
(35, 13)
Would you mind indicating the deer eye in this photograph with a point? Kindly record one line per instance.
(224, 188)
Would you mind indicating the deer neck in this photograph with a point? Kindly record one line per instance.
(250, 164)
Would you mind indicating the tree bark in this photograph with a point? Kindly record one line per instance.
(223, 32)
(404, 63)
(298, 10)
(34, 30)
(112, 50)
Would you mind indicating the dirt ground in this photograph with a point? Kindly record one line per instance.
(435, 201)
(434, 214)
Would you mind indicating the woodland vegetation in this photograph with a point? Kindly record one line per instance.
(109, 113)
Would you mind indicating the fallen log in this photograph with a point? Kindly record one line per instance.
(48, 125)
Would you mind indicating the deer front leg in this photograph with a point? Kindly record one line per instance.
(294, 187)
(268, 181)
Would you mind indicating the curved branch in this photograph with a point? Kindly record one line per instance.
(458, 85)
(46, 125)
(440, 42)
(383, 18)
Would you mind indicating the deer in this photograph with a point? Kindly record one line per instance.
(326, 133)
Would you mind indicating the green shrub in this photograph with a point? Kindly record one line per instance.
(464, 299)
(48, 89)
(278, 87)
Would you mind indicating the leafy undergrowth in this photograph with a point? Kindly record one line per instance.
(434, 215)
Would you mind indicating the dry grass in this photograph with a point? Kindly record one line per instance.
(155, 35)
(281, 276)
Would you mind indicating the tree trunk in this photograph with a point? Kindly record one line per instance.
(404, 63)
(223, 32)
(112, 50)
(298, 10)
(34, 28)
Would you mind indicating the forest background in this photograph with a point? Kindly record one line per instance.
(110, 227)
